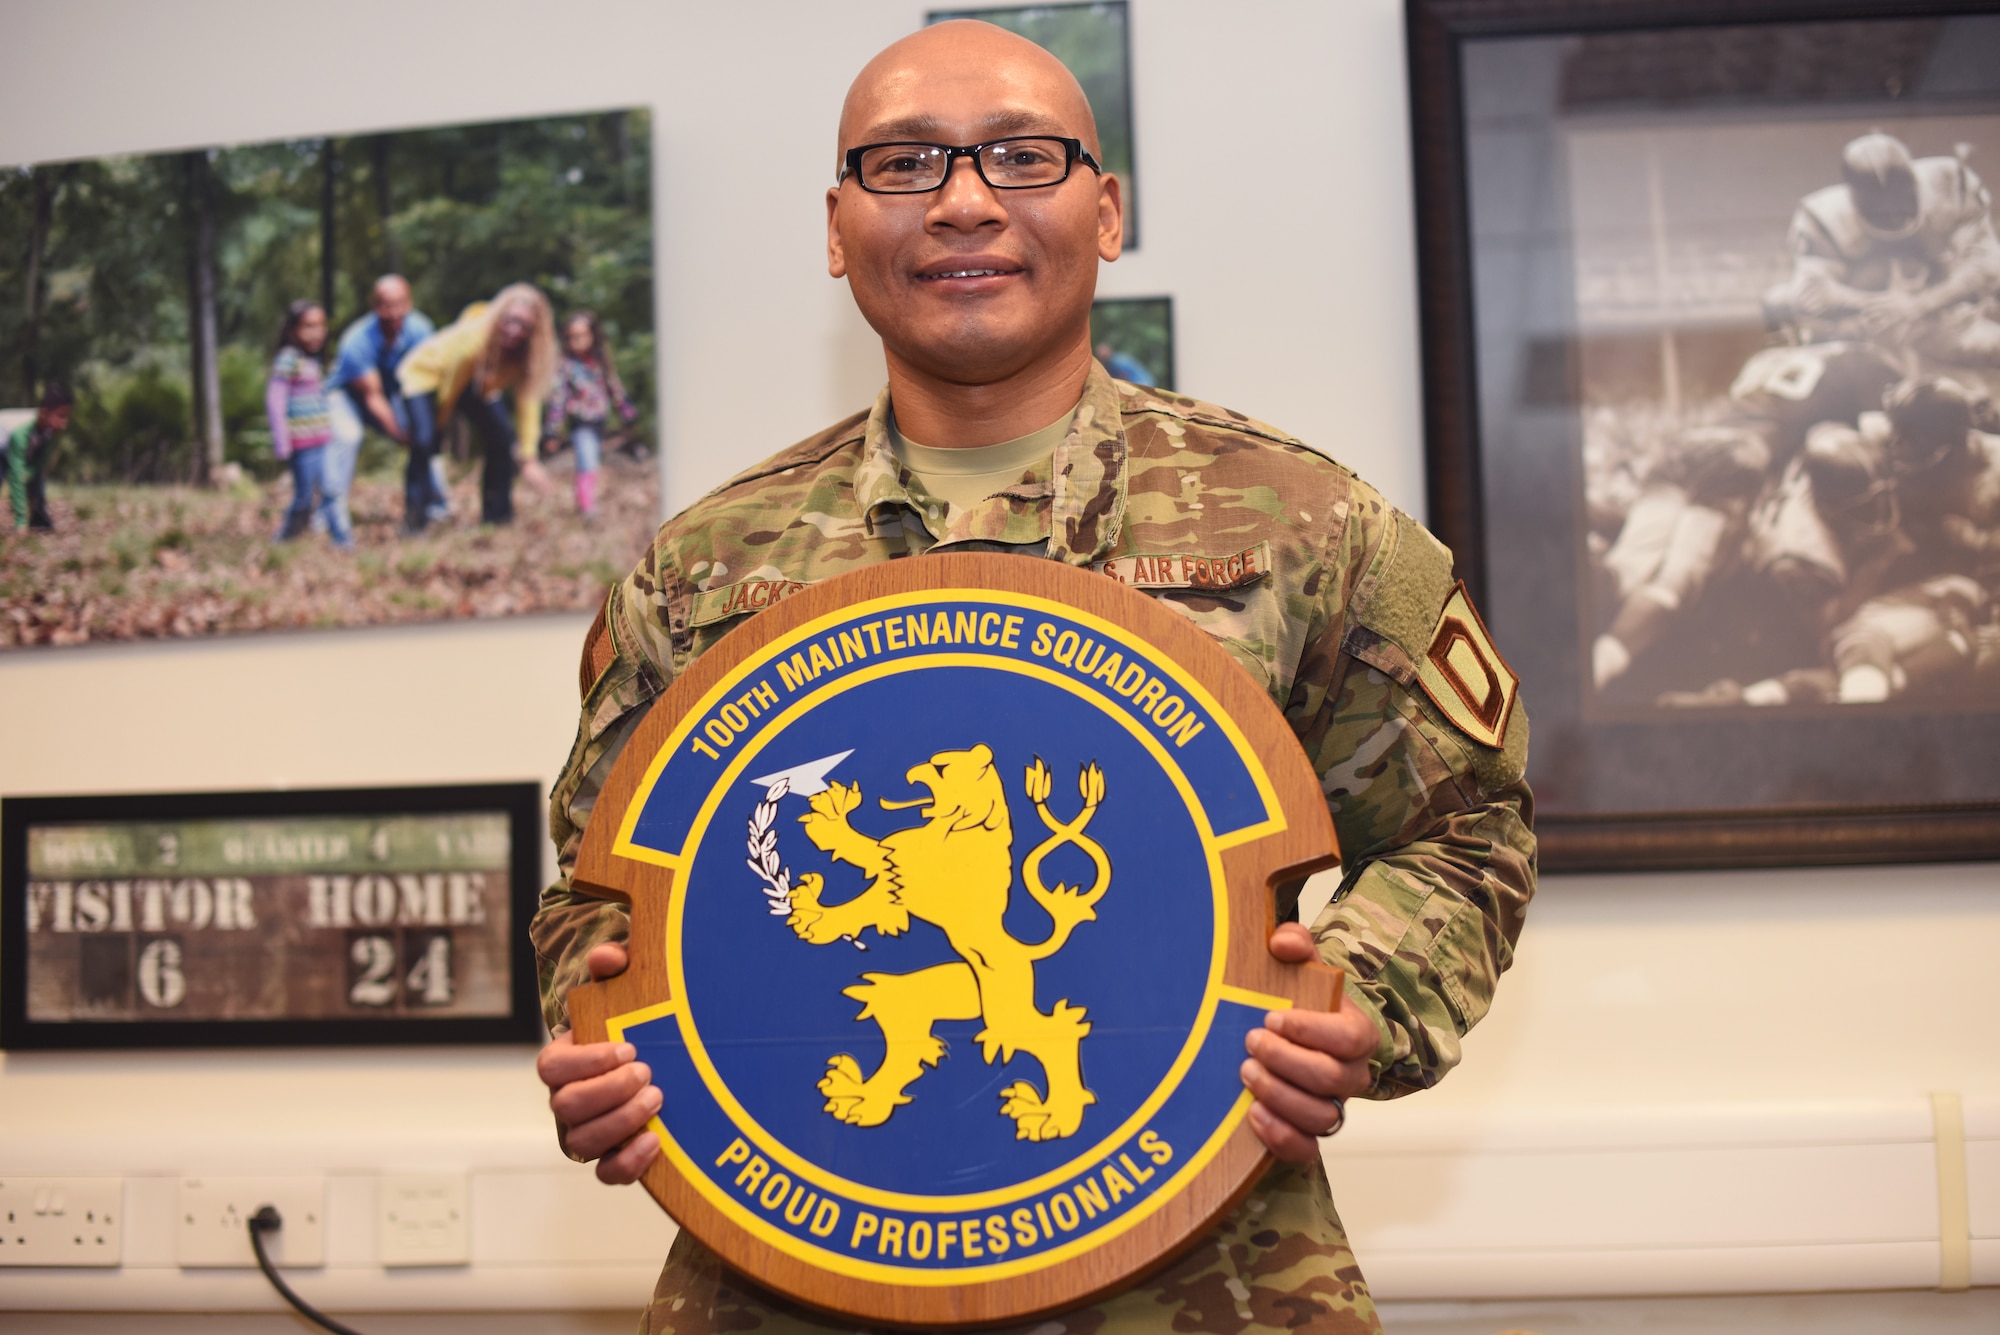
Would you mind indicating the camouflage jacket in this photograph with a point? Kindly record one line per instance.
(1314, 583)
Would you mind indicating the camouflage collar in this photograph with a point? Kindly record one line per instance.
(1077, 510)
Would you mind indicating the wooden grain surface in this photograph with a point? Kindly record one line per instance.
(1252, 870)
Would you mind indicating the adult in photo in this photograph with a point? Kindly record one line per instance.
(1713, 493)
(24, 457)
(1900, 251)
(969, 219)
(505, 348)
(364, 391)
(1933, 631)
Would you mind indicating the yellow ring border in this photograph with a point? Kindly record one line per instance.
(1197, 1032)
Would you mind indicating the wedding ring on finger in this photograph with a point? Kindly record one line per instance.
(1339, 1116)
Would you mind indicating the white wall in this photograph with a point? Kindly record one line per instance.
(1674, 1074)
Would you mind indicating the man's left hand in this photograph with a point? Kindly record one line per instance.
(1302, 1063)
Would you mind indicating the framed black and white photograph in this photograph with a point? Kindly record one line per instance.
(1711, 302)
(350, 916)
(1134, 338)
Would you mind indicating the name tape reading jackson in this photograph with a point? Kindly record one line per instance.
(943, 991)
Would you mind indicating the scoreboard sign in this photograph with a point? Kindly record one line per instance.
(952, 881)
(353, 916)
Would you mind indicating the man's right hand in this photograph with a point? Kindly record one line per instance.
(601, 1096)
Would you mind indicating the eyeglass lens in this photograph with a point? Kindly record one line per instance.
(1008, 164)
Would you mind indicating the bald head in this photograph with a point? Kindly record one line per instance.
(391, 302)
(1020, 88)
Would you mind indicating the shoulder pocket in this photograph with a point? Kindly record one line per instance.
(1410, 620)
(1395, 607)
(619, 677)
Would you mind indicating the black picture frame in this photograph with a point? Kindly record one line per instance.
(519, 804)
(1736, 787)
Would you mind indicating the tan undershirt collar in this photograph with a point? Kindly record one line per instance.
(962, 478)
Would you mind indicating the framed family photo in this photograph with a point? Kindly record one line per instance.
(1711, 313)
(339, 380)
(347, 916)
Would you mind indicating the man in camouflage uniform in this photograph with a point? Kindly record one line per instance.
(982, 298)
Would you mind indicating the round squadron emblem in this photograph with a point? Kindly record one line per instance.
(951, 881)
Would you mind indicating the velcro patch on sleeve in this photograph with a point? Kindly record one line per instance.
(597, 649)
(1464, 675)
(738, 599)
(1180, 570)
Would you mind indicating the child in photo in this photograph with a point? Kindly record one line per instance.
(295, 400)
(587, 390)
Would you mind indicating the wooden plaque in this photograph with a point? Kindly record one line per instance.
(951, 886)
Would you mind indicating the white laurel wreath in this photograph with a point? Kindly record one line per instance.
(764, 859)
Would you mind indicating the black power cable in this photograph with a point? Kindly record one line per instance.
(268, 1220)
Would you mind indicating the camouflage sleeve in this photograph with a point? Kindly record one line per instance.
(625, 667)
(1435, 828)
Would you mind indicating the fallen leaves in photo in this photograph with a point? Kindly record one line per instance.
(152, 562)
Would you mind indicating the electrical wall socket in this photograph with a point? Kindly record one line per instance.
(423, 1220)
(68, 1221)
(212, 1223)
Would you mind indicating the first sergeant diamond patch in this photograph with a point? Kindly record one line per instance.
(1465, 676)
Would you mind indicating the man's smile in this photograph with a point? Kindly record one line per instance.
(968, 270)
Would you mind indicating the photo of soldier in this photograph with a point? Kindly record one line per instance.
(1822, 532)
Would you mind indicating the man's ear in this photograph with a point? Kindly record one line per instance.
(836, 253)
(1110, 217)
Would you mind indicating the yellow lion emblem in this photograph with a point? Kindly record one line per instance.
(955, 871)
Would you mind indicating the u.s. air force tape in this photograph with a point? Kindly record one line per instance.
(951, 889)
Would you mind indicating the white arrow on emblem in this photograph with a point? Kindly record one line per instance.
(805, 780)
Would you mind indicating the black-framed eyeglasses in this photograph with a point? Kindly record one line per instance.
(1023, 163)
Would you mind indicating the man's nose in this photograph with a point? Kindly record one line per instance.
(965, 200)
